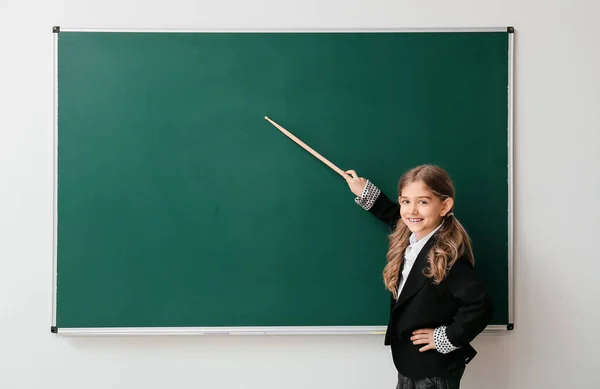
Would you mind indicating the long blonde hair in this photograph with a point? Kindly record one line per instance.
(451, 241)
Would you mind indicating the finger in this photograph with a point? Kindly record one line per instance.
(421, 341)
(419, 336)
(422, 331)
(352, 173)
(426, 348)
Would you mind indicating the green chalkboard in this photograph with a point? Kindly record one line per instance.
(178, 205)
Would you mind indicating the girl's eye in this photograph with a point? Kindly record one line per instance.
(404, 202)
(422, 202)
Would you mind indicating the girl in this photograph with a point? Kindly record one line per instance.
(438, 304)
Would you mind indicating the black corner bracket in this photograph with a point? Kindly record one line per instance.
(56, 29)
(510, 326)
(54, 329)
(510, 30)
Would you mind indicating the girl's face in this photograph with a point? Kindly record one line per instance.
(421, 210)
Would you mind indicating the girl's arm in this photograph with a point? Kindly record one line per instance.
(476, 307)
(369, 197)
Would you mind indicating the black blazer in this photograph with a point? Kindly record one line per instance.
(458, 302)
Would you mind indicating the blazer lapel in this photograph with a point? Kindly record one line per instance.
(416, 279)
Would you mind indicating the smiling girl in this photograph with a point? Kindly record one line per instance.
(438, 304)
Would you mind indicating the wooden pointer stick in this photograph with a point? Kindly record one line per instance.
(309, 149)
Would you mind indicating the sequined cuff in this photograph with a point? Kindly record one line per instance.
(369, 194)
(441, 342)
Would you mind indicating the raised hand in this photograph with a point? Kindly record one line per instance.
(357, 184)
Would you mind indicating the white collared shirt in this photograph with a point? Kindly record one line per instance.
(410, 255)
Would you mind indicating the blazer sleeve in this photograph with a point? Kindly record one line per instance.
(379, 205)
(476, 308)
(386, 210)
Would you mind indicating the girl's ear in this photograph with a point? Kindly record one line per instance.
(447, 205)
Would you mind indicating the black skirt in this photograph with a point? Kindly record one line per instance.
(451, 380)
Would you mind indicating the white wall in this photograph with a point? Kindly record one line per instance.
(557, 161)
